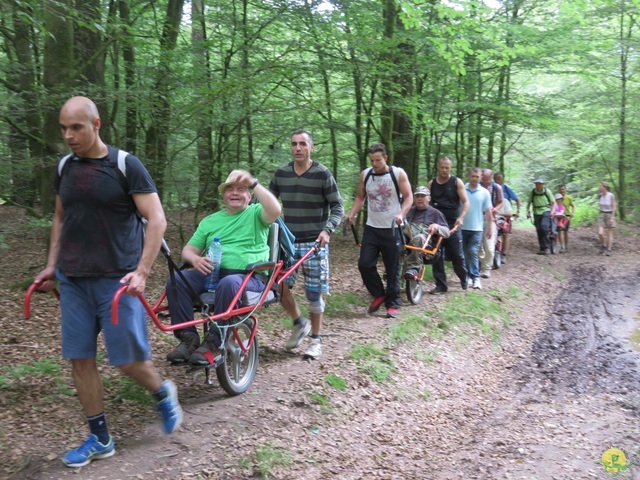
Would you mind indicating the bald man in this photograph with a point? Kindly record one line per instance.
(97, 246)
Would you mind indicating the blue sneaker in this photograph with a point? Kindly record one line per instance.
(89, 450)
(169, 408)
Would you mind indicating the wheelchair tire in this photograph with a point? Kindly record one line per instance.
(554, 245)
(414, 291)
(238, 370)
(497, 260)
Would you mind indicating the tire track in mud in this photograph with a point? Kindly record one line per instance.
(583, 345)
(575, 395)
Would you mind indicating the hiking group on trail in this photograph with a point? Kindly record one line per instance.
(99, 244)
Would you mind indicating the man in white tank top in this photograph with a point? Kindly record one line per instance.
(387, 192)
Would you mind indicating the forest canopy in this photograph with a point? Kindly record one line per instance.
(194, 89)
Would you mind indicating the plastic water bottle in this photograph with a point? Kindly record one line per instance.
(214, 253)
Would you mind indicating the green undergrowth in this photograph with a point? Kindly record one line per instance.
(489, 311)
(25, 373)
(269, 456)
(373, 360)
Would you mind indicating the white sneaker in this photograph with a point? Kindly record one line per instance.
(314, 350)
(476, 284)
(298, 334)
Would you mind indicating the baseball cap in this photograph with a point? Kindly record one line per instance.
(422, 191)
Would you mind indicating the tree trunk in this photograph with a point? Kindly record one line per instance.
(24, 149)
(57, 81)
(207, 195)
(157, 134)
(129, 59)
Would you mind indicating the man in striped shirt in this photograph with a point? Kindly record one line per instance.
(312, 209)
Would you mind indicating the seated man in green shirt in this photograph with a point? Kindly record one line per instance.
(243, 230)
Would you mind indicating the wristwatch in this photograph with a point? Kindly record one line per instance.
(254, 184)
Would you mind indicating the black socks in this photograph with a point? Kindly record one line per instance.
(98, 427)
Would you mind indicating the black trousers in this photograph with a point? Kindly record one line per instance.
(376, 241)
(454, 252)
(542, 223)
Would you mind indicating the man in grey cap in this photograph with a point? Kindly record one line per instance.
(423, 220)
(543, 204)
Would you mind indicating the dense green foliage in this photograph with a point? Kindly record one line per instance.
(529, 87)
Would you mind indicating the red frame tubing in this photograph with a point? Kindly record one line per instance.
(278, 273)
(27, 297)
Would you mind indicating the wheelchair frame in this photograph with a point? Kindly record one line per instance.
(237, 363)
(413, 288)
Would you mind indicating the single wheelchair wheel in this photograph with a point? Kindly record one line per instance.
(554, 245)
(497, 260)
(414, 289)
(238, 370)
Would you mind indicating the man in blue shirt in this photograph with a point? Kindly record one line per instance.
(478, 220)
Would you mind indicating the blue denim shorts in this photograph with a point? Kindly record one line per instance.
(86, 311)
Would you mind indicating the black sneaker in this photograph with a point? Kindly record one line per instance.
(188, 344)
(438, 291)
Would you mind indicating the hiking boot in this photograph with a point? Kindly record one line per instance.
(411, 274)
(205, 354)
(392, 312)
(314, 350)
(91, 449)
(190, 341)
(485, 274)
(608, 253)
(438, 291)
(169, 409)
(476, 284)
(300, 330)
(376, 304)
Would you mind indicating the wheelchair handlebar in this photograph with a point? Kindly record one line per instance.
(27, 297)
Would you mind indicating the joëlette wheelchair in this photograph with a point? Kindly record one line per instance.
(430, 250)
(237, 362)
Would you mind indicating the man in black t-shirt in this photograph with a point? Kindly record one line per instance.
(450, 197)
(97, 246)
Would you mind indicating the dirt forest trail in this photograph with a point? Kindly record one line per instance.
(542, 400)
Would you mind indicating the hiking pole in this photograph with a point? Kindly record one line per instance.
(355, 235)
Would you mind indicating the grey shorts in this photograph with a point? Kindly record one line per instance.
(605, 220)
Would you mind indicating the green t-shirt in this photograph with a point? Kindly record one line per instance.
(568, 203)
(243, 236)
(541, 201)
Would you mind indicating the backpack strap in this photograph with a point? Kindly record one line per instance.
(395, 182)
(120, 160)
(393, 179)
